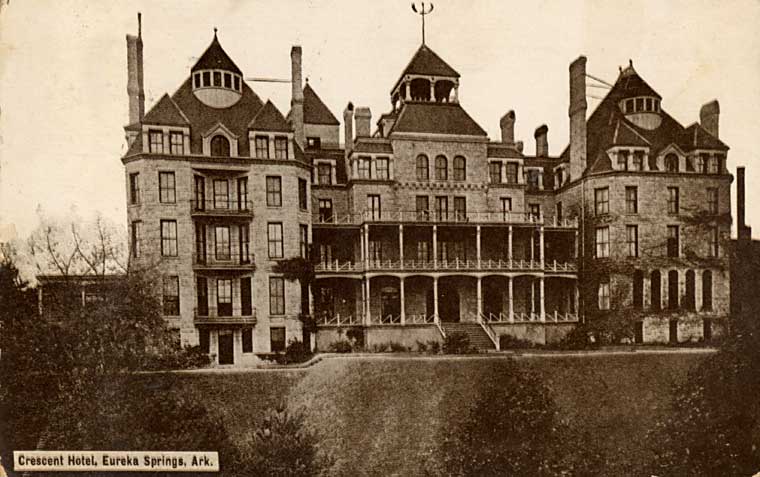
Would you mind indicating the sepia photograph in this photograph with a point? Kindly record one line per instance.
(355, 238)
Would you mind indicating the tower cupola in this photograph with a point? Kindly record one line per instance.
(638, 101)
(427, 78)
(217, 81)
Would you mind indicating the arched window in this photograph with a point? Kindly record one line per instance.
(656, 280)
(460, 168)
(673, 290)
(638, 289)
(690, 302)
(441, 168)
(423, 170)
(220, 146)
(671, 163)
(707, 290)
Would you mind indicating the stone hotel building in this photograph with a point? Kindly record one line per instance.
(420, 224)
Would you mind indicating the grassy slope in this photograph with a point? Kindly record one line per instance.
(381, 417)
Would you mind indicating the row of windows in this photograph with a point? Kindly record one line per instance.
(223, 249)
(274, 192)
(218, 79)
(276, 338)
(372, 168)
(602, 200)
(224, 288)
(673, 244)
(689, 301)
(156, 142)
(510, 173)
(220, 145)
(702, 163)
(641, 105)
(441, 169)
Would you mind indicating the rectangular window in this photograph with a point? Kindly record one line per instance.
(221, 194)
(169, 238)
(506, 208)
(201, 288)
(274, 239)
(324, 174)
(135, 234)
(277, 339)
(244, 242)
(604, 296)
(712, 200)
(197, 80)
(247, 337)
(639, 105)
(638, 160)
(373, 206)
(325, 210)
(714, 242)
(494, 172)
(246, 300)
(535, 211)
(382, 168)
(422, 206)
(200, 193)
(276, 296)
(303, 202)
(171, 296)
(280, 148)
(134, 188)
(325, 252)
(441, 208)
(217, 78)
(632, 200)
(423, 251)
(629, 106)
(375, 250)
(167, 192)
(533, 179)
(237, 83)
(303, 240)
(200, 243)
(460, 209)
(714, 164)
(156, 141)
(176, 143)
(673, 241)
(632, 240)
(223, 297)
(460, 168)
(262, 147)
(622, 160)
(673, 201)
(602, 200)
(364, 168)
(227, 80)
(242, 193)
(206, 78)
(222, 242)
(511, 173)
(204, 334)
(602, 242)
(558, 210)
(274, 191)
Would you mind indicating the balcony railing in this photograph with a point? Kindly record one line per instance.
(220, 316)
(444, 265)
(223, 258)
(221, 207)
(330, 319)
(434, 217)
(520, 317)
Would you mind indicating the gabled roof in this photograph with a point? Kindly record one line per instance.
(215, 58)
(426, 62)
(166, 113)
(436, 118)
(504, 151)
(697, 137)
(314, 110)
(269, 118)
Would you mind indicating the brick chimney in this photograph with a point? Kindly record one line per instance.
(542, 143)
(507, 124)
(135, 89)
(363, 118)
(348, 129)
(709, 116)
(296, 101)
(577, 113)
(743, 231)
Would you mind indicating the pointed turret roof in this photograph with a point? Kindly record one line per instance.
(427, 62)
(314, 110)
(629, 84)
(166, 113)
(269, 118)
(215, 58)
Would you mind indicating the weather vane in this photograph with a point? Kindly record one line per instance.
(422, 12)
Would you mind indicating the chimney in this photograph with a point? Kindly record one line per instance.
(743, 231)
(363, 120)
(135, 89)
(709, 116)
(542, 143)
(507, 124)
(296, 101)
(348, 128)
(577, 113)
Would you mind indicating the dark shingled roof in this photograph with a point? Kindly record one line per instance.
(506, 151)
(625, 135)
(373, 147)
(436, 118)
(166, 113)
(630, 84)
(314, 110)
(269, 118)
(215, 58)
(426, 62)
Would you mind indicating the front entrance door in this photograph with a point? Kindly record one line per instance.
(448, 303)
(492, 299)
(638, 332)
(389, 302)
(226, 348)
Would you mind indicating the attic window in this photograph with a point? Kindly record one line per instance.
(197, 78)
(657, 105)
(629, 106)
(649, 106)
(227, 80)
(671, 163)
(220, 146)
(237, 83)
(206, 78)
(639, 104)
(217, 78)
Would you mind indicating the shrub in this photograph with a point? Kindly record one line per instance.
(380, 347)
(296, 352)
(187, 357)
(511, 342)
(580, 337)
(397, 347)
(457, 343)
(435, 346)
(421, 347)
(356, 335)
(340, 346)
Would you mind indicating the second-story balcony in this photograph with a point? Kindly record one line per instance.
(223, 257)
(222, 207)
(451, 217)
(224, 316)
(515, 265)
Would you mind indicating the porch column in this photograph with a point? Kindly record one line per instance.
(509, 243)
(480, 296)
(401, 296)
(541, 245)
(532, 245)
(367, 316)
(401, 246)
(435, 299)
(39, 300)
(577, 244)
(83, 299)
(577, 298)
(532, 296)
(432, 90)
(366, 246)
(477, 244)
(435, 246)
(408, 90)
(511, 300)
(362, 252)
(542, 302)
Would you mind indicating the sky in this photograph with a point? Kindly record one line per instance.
(63, 99)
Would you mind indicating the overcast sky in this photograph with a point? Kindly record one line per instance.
(63, 73)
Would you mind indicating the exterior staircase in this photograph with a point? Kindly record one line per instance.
(478, 337)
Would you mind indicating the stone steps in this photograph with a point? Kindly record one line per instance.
(475, 333)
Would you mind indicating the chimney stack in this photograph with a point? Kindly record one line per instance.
(542, 143)
(507, 124)
(296, 101)
(135, 89)
(363, 120)
(348, 128)
(744, 232)
(577, 113)
(709, 117)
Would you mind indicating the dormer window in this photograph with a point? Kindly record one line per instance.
(176, 143)
(220, 146)
(262, 147)
(629, 106)
(227, 80)
(206, 78)
(156, 141)
(281, 148)
(197, 80)
(237, 83)
(671, 163)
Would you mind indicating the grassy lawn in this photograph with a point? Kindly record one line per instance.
(382, 417)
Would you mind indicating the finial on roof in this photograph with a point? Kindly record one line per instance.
(214, 32)
(630, 62)
(422, 12)
(307, 80)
